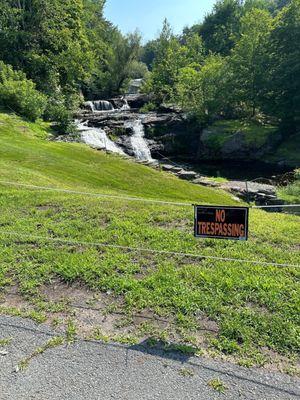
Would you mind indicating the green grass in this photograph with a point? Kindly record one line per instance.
(217, 385)
(26, 158)
(255, 307)
(5, 342)
(291, 193)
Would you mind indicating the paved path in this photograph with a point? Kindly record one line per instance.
(93, 371)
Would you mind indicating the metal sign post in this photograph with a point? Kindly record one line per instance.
(221, 222)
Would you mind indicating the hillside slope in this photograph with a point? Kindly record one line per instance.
(65, 257)
(27, 157)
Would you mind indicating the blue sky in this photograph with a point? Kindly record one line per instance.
(148, 15)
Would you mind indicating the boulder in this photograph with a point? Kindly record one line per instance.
(138, 100)
(187, 175)
(258, 192)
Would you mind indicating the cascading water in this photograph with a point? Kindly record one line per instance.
(139, 145)
(97, 138)
(99, 105)
(103, 105)
(125, 106)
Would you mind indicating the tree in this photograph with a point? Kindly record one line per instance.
(171, 57)
(203, 91)
(47, 40)
(19, 94)
(149, 53)
(284, 66)
(221, 27)
(248, 60)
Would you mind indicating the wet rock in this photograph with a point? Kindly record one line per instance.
(155, 118)
(138, 100)
(170, 108)
(176, 170)
(258, 192)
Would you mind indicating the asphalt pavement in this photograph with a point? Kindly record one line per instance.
(95, 371)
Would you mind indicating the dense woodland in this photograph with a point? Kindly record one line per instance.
(241, 61)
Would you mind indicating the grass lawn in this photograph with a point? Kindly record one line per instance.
(245, 312)
(291, 193)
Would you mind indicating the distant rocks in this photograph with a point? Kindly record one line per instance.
(205, 182)
(252, 191)
(187, 175)
(259, 193)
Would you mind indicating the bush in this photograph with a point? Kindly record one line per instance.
(19, 94)
(60, 109)
(291, 193)
(148, 107)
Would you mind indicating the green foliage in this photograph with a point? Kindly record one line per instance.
(284, 65)
(171, 57)
(65, 47)
(217, 385)
(221, 27)
(121, 64)
(19, 94)
(254, 70)
(247, 62)
(291, 193)
(254, 133)
(60, 108)
(148, 107)
(47, 41)
(202, 90)
(149, 52)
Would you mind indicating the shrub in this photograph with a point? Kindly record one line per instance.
(60, 109)
(19, 94)
(148, 107)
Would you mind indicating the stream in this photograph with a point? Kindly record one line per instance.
(102, 120)
(97, 138)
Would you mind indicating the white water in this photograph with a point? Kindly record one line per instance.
(138, 142)
(99, 105)
(125, 106)
(97, 138)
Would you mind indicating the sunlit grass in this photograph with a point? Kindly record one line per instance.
(254, 306)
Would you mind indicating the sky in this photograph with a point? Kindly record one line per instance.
(148, 15)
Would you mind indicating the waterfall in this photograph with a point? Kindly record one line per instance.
(103, 105)
(90, 106)
(138, 142)
(125, 106)
(99, 105)
(97, 138)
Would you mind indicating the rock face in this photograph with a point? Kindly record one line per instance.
(166, 133)
(138, 100)
(251, 191)
(169, 132)
(231, 140)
